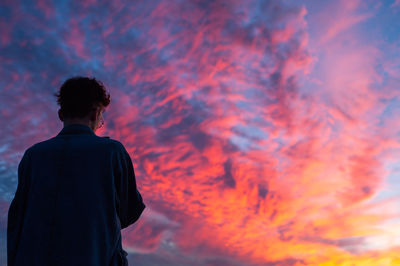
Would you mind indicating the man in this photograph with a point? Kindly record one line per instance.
(76, 191)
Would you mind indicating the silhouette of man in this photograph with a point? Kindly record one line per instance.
(76, 191)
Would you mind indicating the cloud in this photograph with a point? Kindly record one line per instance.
(146, 235)
(253, 141)
(339, 17)
(395, 3)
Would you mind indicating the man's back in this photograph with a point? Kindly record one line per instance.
(75, 193)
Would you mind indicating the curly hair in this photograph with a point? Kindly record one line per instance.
(79, 95)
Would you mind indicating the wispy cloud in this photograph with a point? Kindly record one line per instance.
(253, 141)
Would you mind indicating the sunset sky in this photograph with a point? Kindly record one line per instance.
(261, 132)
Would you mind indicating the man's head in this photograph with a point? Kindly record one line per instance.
(82, 100)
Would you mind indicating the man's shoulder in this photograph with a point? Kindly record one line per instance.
(117, 144)
(55, 141)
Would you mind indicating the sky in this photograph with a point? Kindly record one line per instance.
(261, 132)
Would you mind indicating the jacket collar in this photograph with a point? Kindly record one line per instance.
(76, 129)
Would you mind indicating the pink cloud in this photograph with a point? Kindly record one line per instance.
(75, 39)
(46, 7)
(303, 188)
(396, 3)
(338, 17)
(6, 30)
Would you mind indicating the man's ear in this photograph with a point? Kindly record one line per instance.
(60, 115)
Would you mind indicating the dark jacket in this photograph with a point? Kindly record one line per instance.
(75, 193)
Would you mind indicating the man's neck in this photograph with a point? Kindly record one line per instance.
(79, 122)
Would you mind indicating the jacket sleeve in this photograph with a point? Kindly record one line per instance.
(129, 202)
(16, 211)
